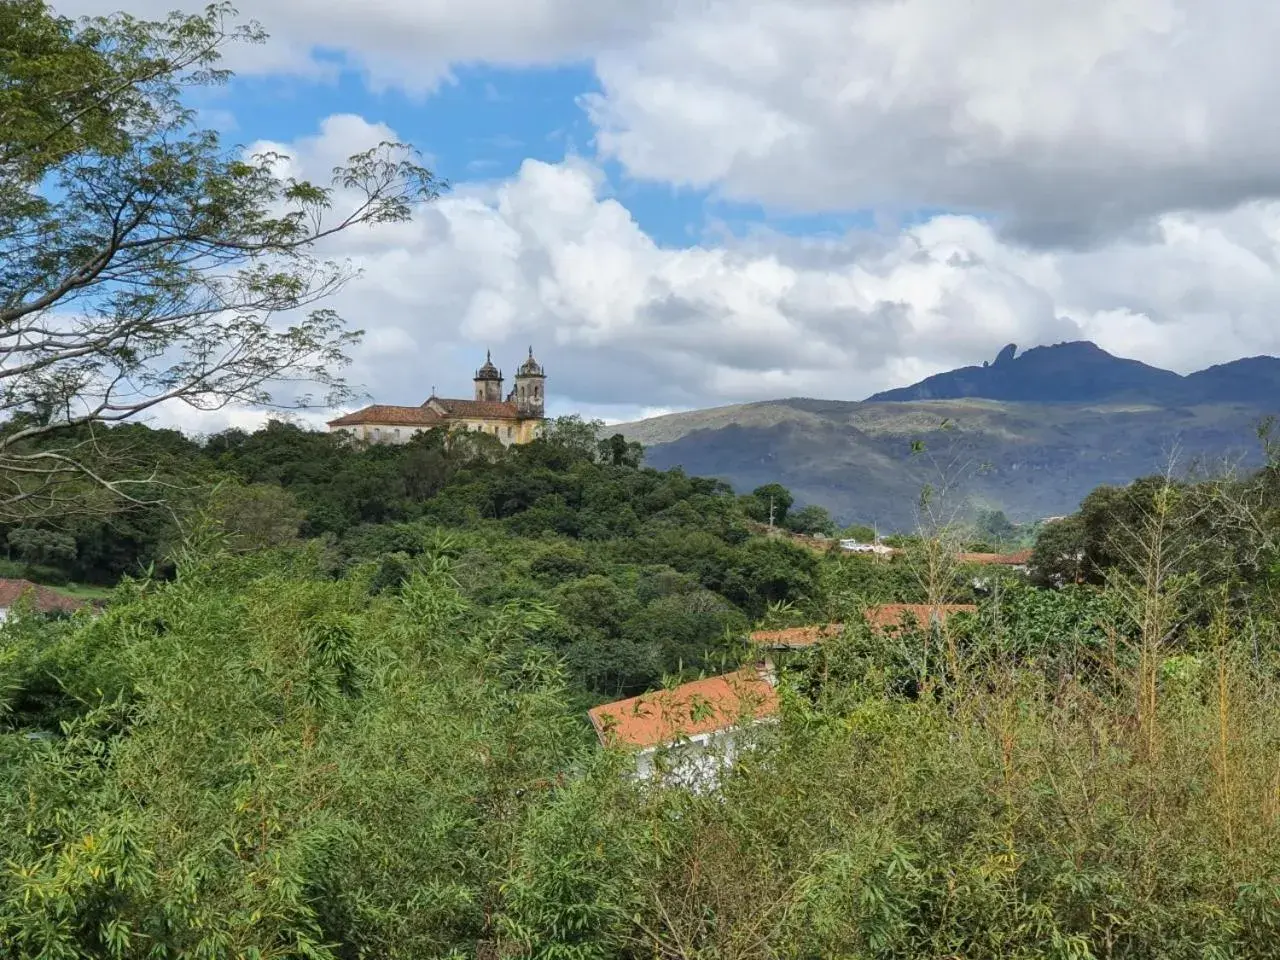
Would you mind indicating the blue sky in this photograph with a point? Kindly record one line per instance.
(485, 121)
(705, 202)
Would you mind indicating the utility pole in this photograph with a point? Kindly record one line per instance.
(771, 513)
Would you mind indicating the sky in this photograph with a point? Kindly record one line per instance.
(691, 203)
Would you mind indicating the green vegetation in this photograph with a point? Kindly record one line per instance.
(334, 708)
(144, 260)
(1039, 459)
(342, 715)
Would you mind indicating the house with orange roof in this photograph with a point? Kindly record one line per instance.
(41, 599)
(1018, 560)
(887, 616)
(796, 638)
(689, 734)
(511, 418)
(892, 616)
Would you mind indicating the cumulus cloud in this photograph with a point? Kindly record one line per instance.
(1069, 121)
(412, 44)
(625, 324)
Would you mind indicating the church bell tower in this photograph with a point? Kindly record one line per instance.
(488, 380)
(531, 388)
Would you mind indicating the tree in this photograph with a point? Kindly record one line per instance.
(258, 516)
(620, 452)
(811, 519)
(860, 532)
(575, 435)
(994, 527)
(144, 262)
(776, 495)
(768, 502)
(35, 545)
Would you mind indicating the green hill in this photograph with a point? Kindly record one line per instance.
(862, 460)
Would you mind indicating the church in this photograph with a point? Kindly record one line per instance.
(515, 418)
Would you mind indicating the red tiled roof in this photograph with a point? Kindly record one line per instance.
(43, 600)
(704, 706)
(1019, 559)
(497, 409)
(1003, 559)
(894, 614)
(385, 413)
(882, 617)
(795, 637)
(983, 558)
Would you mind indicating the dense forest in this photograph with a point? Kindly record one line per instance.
(652, 574)
(336, 709)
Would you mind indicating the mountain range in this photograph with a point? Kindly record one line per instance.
(1030, 434)
(1082, 372)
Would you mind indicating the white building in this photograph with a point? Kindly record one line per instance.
(855, 546)
(688, 735)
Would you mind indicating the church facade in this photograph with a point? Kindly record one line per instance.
(516, 417)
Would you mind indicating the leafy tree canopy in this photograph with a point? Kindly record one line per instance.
(144, 262)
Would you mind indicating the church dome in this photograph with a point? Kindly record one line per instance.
(530, 368)
(488, 371)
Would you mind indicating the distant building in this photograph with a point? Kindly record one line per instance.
(1019, 561)
(855, 546)
(517, 417)
(696, 727)
(889, 616)
(41, 599)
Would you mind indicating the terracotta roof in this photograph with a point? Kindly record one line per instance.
(796, 637)
(887, 615)
(1019, 559)
(385, 413)
(704, 706)
(44, 600)
(1002, 559)
(893, 614)
(498, 409)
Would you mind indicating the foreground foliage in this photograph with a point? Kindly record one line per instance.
(258, 760)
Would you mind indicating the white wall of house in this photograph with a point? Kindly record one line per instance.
(697, 762)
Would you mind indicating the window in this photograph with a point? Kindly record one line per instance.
(508, 433)
(397, 433)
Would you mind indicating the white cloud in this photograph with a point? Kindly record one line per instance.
(626, 325)
(412, 44)
(1070, 120)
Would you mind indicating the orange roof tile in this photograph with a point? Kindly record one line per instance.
(704, 706)
(886, 615)
(1002, 559)
(496, 409)
(1018, 559)
(796, 637)
(385, 413)
(893, 614)
(977, 557)
(43, 599)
